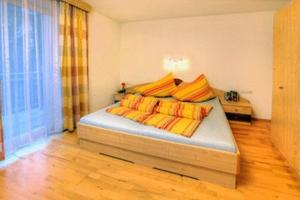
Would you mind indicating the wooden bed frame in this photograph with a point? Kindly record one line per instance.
(207, 164)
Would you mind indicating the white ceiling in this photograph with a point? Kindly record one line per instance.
(136, 10)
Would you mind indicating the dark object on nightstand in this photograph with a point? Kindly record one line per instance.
(118, 97)
(122, 91)
(232, 96)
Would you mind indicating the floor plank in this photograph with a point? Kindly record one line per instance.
(64, 171)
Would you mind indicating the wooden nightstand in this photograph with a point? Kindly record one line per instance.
(236, 112)
(118, 97)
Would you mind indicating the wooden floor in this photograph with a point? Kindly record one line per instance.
(64, 171)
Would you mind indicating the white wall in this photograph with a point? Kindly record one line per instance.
(234, 51)
(104, 79)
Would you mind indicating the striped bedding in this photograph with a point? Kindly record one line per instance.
(195, 91)
(159, 88)
(172, 116)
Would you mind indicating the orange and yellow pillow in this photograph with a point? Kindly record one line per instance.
(161, 88)
(130, 101)
(184, 110)
(140, 103)
(173, 116)
(178, 125)
(129, 113)
(147, 104)
(196, 91)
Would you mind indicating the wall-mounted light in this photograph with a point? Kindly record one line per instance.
(176, 64)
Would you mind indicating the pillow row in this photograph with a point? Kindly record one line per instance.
(182, 109)
(169, 107)
(140, 103)
(161, 88)
(195, 91)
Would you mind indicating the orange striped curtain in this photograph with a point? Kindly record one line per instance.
(74, 64)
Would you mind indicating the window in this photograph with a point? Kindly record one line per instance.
(29, 70)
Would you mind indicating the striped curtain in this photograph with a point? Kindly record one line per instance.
(74, 64)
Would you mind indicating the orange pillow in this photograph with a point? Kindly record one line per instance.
(130, 101)
(160, 88)
(196, 91)
(140, 103)
(194, 111)
(147, 104)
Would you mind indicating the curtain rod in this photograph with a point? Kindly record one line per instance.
(79, 4)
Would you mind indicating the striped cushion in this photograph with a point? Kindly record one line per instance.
(196, 91)
(130, 101)
(147, 104)
(160, 88)
(140, 103)
(128, 113)
(181, 109)
(181, 126)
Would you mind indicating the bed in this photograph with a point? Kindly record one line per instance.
(211, 154)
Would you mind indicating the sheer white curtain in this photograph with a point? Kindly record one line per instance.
(29, 71)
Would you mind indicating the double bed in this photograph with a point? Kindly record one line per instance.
(211, 154)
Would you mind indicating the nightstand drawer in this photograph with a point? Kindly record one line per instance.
(239, 118)
(237, 109)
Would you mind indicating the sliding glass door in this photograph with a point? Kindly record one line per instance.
(29, 71)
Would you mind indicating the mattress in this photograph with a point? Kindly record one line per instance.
(214, 131)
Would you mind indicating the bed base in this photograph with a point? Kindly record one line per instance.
(219, 167)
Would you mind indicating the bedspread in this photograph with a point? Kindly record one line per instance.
(174, 117)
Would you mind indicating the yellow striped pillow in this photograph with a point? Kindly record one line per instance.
(130, 101)
(160, 88)
(181, 126)
(147, 104)
(128, 113)
(140, 103)
(185, 110)
(196, 91)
